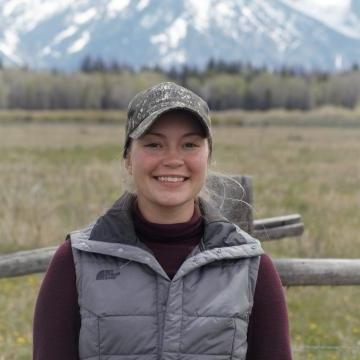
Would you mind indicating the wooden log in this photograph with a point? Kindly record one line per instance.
(279, 232)
(295, 272)
(25, 262)
(277, 221)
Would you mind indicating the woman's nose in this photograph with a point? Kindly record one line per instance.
(173, 159)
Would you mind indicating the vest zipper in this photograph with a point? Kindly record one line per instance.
(163, 315)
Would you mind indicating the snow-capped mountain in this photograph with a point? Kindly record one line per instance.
(322, 34)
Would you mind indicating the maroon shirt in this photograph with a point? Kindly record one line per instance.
(57, 319)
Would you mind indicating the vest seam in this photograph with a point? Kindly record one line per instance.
(182, 319)
(121, 315)
(250, 265)
(117, 354)
(188, 353)
(90, 314)
(99, 337)
(233, 342)
(253, 272)
(158, 305)
(220, 316)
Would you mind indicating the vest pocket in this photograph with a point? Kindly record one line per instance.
(209, 335)
(128, 334)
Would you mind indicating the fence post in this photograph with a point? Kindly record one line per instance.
(233, 195)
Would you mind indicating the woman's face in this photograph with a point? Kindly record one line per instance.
(168, 165)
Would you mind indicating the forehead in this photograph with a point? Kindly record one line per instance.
(178, 120)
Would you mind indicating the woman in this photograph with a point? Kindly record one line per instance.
(162, 275)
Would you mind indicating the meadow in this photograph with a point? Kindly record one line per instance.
(56, 177)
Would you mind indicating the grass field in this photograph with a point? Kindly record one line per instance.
(326, 116)
(55, 178)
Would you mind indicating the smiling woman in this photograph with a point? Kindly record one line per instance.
(162, 274)
(168, 165)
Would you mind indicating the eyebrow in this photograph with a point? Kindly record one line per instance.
(185, 135)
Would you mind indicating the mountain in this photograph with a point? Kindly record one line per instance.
(59, 34)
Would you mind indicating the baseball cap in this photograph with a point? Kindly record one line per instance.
(148, 105)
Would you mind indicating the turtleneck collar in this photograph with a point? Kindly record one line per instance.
(169, 233)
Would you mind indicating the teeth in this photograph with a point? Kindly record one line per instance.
(170, 178)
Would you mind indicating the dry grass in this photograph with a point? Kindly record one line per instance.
(314, 171)
(326, 116)
(55, 178)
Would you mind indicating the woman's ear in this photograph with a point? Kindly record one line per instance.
(127, 162)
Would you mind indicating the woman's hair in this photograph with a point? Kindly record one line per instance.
(222, 190)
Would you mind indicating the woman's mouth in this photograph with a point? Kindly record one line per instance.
(171, 179)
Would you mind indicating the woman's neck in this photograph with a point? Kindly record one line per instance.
(170, 234)
(166, 215)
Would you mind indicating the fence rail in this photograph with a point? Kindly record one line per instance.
(275, 228)
(37, 260)
(318, 271)
(292, 272)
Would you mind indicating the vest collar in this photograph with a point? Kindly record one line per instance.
(114, 234)
(116, 226)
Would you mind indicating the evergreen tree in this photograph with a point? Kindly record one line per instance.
(87, 64)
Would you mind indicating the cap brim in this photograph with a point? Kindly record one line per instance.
(145, 125)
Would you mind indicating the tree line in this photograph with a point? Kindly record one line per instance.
(101, 85)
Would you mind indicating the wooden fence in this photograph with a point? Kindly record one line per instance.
(234, 196)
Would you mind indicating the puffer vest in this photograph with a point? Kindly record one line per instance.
(130, 309)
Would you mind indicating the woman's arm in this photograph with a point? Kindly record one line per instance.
(57, 319)
(268, 333)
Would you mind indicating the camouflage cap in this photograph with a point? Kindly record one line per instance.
(149, 104)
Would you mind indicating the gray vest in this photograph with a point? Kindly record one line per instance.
(130, 309)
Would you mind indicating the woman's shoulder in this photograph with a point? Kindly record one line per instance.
(267, 267)
(62, 261)
(64, 251)
(266, 261)
(268, 280)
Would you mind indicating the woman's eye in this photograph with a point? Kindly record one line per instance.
(153, 145)
(190, 145)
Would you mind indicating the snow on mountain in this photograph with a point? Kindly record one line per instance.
(309, 33)
(333, 13)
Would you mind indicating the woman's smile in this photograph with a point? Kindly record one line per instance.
(173, 179)
(171, 182)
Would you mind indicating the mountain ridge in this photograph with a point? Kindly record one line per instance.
(49, 34)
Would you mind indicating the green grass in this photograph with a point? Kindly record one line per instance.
(17, 299)
(55, 178)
